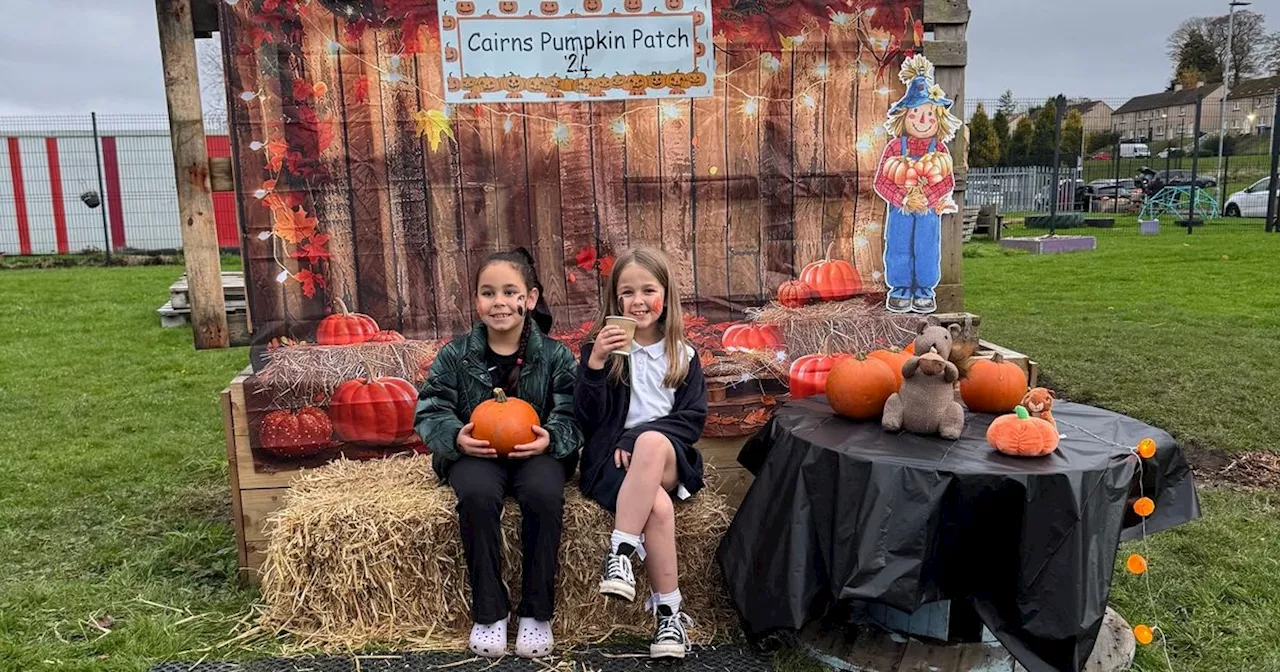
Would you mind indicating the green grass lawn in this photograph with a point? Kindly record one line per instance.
(116, 549)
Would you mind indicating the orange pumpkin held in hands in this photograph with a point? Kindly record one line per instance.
(832, 279)
(1021, 435)
(895, 358)
(808, 374)
(752, 337)
(993, 385)
(858, 387)
(505, 422)
(794, 294)
(344, 327)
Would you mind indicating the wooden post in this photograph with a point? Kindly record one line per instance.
(191, 170)
(949, 53)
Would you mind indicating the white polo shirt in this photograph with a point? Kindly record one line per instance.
(650, 400)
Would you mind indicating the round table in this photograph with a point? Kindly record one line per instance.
(843, 510)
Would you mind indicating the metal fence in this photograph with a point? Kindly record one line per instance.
(95, 183)
(1143, 158)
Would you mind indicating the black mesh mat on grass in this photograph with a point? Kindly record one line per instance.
(720, 659)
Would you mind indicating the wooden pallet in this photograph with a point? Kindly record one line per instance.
(238, 329)
(232, 290)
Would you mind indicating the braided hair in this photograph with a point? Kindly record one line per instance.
(522, 261)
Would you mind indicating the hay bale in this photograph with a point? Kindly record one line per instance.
(370, 552)
(852, 326)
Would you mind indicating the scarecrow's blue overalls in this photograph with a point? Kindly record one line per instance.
(913, 248)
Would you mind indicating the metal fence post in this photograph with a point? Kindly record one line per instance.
(1273, 218)
(1115, 206)
(1195, 165)
(1059, 104)
(102, 193)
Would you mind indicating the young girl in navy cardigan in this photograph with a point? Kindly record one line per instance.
(642, 407)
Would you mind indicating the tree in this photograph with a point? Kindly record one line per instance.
(1000, 127)
(1197, 61)
(1072, 136)
(1248, 42)
(1041, 150)
(1007, 103)
(1020, 144)
(1103, 140)
(1271, 64)
(984, 147)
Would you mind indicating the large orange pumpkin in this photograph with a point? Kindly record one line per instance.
(505, 422)
(993, 385)
(895, 358)
(295, 434)
(345, 327)
(794, 294)
(374, 411)
(808, 374)
(858, 387)
(1021, 435)
(832, 279)
(752, 337)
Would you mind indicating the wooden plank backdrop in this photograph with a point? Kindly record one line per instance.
(741, 189)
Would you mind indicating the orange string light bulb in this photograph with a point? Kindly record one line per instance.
(1144, 507)
(1136, 564)
(1147, 448)
(1144, 634)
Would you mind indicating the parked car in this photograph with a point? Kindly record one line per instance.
(1102, 156)
(1252, 202)
(1134, 149)
(1152, 181)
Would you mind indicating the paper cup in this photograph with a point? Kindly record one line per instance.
(626, 324)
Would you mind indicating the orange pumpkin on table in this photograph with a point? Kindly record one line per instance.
(832, 279)
(808, 374)
(858, 387)
(895, 358)
(1021, 435)
(993, 385)
(505, 422)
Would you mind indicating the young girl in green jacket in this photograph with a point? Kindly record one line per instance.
(508, 349)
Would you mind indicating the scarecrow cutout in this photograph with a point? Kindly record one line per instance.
(915, 178)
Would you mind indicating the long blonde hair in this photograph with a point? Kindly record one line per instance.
(671, 322)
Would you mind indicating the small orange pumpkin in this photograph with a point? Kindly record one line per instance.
(505, 422)
(752, 337)
(858, 387)
(508, 7)
(832, 279)
(808, 375)
(895, 358)
(675, 5)
(592, 5)
(633, 5)
(794, 294)
(448, 22)
(344, 327)
(993, 385)
(549, 8)
(466, 7)
(1021, 435)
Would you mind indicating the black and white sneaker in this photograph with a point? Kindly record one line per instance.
(618, 579)
(670, 640)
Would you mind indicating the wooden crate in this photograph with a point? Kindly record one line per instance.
(986, 349)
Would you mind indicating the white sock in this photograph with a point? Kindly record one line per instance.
(671, 599)
(619, 537)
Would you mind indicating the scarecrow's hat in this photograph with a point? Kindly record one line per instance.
(917, 74)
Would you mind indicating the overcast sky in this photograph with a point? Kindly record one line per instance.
(74, 56)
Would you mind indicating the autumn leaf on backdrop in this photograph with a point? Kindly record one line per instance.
(606, 265)
(315, 250)
(586, 258)
(433, 124)
(294, 226)
(309, 282)
(360, 89)
(276, 150)
(766, 25)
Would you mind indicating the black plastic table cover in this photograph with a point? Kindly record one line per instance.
(844, 510)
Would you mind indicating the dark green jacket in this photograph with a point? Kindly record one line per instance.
(459, 381)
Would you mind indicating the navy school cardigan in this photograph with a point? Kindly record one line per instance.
(601, 408)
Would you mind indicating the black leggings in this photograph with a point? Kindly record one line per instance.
(538, 485)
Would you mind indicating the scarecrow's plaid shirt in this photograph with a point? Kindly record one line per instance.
(896, 193)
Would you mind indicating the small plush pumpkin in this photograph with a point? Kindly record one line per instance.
(832, 279)
(895, 358)
(752, 337)
(808, 374)
(993, 385)
(505, 422)
(794, 294)
(858, 387)
(1021, 435)
(345, 327)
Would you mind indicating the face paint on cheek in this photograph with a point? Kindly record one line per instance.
(657, 306)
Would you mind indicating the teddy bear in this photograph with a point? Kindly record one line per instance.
(926, 403)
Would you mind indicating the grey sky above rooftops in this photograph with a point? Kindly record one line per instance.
(74, 56)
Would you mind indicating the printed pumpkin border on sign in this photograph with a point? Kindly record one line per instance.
(575, 50)
(915, 177)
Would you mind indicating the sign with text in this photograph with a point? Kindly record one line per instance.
(545, 50)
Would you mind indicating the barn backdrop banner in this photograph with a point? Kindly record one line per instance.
(384, 147)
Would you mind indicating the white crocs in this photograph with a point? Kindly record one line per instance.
(533, 638)
(489, 641)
